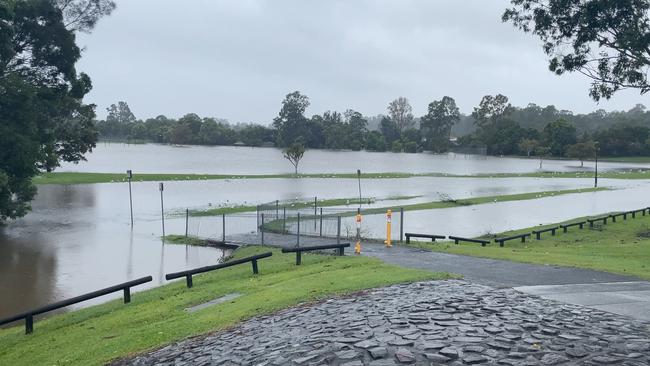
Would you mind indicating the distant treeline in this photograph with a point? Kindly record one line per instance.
(494, 125)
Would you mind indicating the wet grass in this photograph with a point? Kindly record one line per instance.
(91, 178)
(156, 317)
(184, 240)
(622, 247)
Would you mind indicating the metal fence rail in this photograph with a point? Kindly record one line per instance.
(29, 315)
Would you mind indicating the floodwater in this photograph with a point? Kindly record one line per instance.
(78, 238)
(154, 158)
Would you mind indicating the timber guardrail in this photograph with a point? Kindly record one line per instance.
(539, 232)
(501, 241)
(428, 236)
(298, 250)
(565, 227)
(29, 315)
(458, 239)
(191, 272)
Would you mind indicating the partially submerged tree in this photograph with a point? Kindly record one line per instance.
(528, 146)
(43, 119)
(400, 112)
(605, 40)
(437, 123)
(294, 154)
(582, 151)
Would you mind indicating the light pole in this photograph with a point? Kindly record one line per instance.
(129, 175)
(162, 207)
(596, 167)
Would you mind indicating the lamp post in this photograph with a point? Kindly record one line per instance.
(129, 176)
(162, 207)
(596, 167)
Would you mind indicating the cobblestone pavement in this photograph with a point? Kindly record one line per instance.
(426, 323)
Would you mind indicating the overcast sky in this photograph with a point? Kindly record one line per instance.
(237, 59)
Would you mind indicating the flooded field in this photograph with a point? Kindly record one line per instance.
(78, 238)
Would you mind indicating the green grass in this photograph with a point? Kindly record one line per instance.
(184, 240)
(156, 317)
(618, 248)
(90, 178)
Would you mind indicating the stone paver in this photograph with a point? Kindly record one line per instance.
(427, 323)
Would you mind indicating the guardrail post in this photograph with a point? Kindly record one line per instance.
(277, 212)
(298, 258)
(298, 232)
(401, 223)
(254, 262)
(127, 295)
(338, 229)
(321, 221)
(29, 324)
(188, 279)
(223, 227)
(262, 228)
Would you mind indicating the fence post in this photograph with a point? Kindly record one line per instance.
(315, 211)
(298, 232)
(187, 219)
(338, 229)
(277, 212)
(321, 221)
(127, 295)
(223, 227)
(262, 228)
(284, 220)
(401, 224)
(257, 215)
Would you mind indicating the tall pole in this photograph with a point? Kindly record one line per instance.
(596, 169)
(357, 246)
(162, 207)
(129, 175)
(359, 179)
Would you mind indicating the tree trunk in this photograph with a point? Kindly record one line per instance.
(582, 163)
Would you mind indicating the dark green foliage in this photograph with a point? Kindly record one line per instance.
(437, 123)
(605, 40)
(42, 117)
(294, 153)
(558, 136)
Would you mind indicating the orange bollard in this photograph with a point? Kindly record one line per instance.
(389, 216)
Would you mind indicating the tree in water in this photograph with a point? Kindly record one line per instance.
(400, 112)
(437, 123)
(43, 119)
(294, 154)
(607, 41)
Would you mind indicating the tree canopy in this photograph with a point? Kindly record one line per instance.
(43, 119)
(605, 40)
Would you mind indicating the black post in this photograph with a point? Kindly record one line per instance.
(298, 258)
(315, 211)
(223, 227)
(162, 207)
(187, 219)
(257, 214)
(596, 169)
(188, 279)
(262, 228)
(127, 295)
(129, 175)
(298, 232)
(338, 229)
(359, 179)
(321, 221)
(29, 324)
(254, 262)
(284, 219)
(401, 223)
(277, 211)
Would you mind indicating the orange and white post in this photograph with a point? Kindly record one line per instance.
(357, 246)
(389, 216)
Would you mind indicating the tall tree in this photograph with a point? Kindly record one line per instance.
(437, 123)
(294, 153)
(491, 109)
(120, 113)
(581, 151)
(399, 111)
(43, 119)
(605, 40)
(558, 136)
(291, 121)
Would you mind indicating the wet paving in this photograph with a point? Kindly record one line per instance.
(428, 323)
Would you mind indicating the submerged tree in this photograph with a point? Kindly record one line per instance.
(605, 40)
(43, 119)
(582, 151)
(294, 154)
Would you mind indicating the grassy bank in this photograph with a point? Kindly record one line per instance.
(622, 247)
(157, 317)
(90, 178)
